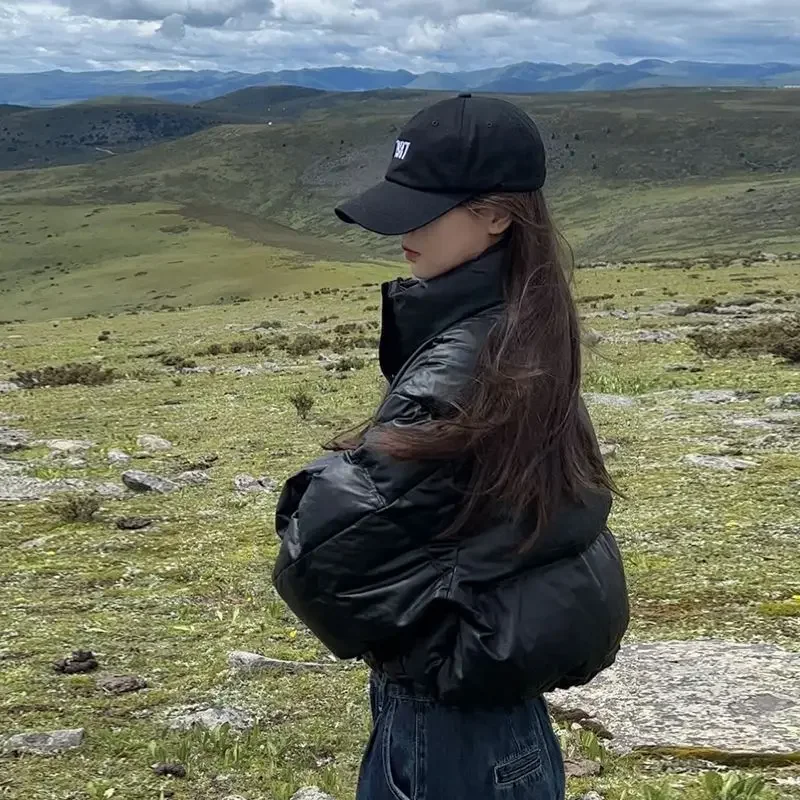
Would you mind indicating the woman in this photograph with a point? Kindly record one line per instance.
(460, 546)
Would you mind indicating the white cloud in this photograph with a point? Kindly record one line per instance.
(173, 27)
(256, 35)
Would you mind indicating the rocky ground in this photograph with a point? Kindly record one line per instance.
(143, 653)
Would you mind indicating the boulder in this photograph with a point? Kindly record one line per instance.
(140, 481)
(247, 484)
(613, 400)
(212, 718)
(13, 439)
(784, 401)
(67, 446)
(120, 684)
(118, 457)
(153, 444)
(723, 463)
(193, 477)
(704, 698)
(42, 744)
(242, 661)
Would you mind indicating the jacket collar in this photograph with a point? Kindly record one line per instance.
(415, 311)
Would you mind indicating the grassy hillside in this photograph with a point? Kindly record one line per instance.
(680, 162)
(86, 132)
(74, 260)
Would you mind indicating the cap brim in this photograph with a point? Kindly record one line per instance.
(392, 209)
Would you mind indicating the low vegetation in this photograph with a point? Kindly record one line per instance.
(779, 337)
(72, 374)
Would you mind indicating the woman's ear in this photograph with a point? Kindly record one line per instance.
(499, 222)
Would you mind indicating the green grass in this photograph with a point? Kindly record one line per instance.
(707, 553)
(61, 261)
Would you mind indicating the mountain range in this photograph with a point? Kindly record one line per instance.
(185, 86)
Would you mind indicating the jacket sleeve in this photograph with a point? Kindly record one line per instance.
(357, 562)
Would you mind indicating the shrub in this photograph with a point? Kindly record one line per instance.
(305, 343)
(71, 374)
(74, 507)
(776, 337)
(271, 324)
(177, 361)
(303, 401)
(254, 345)
(348, 364)
(733, 786)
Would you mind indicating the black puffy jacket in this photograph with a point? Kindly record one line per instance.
(468, 620)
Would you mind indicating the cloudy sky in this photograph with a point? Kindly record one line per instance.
(256, 35)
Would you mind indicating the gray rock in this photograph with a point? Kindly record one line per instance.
(613, 400)
(4, 417)
(724, 463)
(311, 793)
(11, 467)
(717, 396)
(247, 484)
(13, 439)
(35, 544)
(212, 718)
(120, 684)
(19, 488)
(140, 481)
(705, 693)
(118, 457)
(67, 446)
(75, 462)
(42, 744)
(590, 796)
(756, 423)
(609, 451)
(242, 661)
(582, 768)
(785, 401)
(153, 444)
(6, 387)
(193, 477)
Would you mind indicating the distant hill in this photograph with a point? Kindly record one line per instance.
(59, 87)
(41, 137)
(640, 172)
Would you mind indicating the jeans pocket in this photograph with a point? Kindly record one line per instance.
(402, 749)
(516, 768)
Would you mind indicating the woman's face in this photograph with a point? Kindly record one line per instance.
(449, 241)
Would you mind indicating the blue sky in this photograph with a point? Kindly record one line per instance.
(256, 35)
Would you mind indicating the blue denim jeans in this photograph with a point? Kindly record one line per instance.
(422, 750)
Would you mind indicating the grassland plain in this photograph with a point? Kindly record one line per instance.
(709, 553)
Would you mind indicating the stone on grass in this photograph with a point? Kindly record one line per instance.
(706, 695)
(193, 477)
(6, 387)
(140, 481)
(35, 544)
(11, 467)
(609, 450)
(19, 488)
(42, 744)
(590, 796)
(75, 462)
(717, 396)
(13, 439)
(682, 368)
(153, 444)
(613, 400)
(784, 401)
(311, 793)
(120, 684)
(242, 661)
(722, 463)
(212, 718)
(118, 457)
(67, 446)
(582, 768)
(247, 484)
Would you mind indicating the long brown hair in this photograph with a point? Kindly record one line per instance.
(520, 429)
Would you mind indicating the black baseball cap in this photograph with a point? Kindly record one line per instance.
(449, 153)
